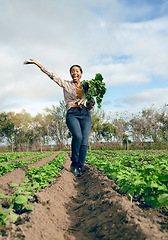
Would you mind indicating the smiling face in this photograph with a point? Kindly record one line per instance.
(76, 74)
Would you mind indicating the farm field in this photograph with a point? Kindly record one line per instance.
(121, 195)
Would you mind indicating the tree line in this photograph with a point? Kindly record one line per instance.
(149, 128)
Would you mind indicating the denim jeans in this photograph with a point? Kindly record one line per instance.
(78, 120)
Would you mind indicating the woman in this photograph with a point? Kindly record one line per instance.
(78, 118)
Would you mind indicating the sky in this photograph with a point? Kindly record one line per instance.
(124, 40)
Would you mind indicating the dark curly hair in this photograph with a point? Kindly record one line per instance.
(76, 66)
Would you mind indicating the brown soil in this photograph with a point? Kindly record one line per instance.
(84, 208)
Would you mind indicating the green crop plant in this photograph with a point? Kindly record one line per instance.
(38, 177)
(94, 88)
(6, 217)
(43, 175)
(7, 157)
(18, 201)
(8, 167)
(140, 175)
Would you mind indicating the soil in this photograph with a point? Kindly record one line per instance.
(83, 208)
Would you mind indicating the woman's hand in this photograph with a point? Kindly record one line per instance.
(90, 105)
(32, 61)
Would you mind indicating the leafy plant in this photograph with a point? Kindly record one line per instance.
(8, 167)
(94, 88)
(39, 177)
(43, 175)
(6, 157)
(140, 175)
(5, 217)
(18, 201)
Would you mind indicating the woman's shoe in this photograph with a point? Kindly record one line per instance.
(80, 172)
(74, 170)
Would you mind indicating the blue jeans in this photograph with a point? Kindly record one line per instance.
(78, 120)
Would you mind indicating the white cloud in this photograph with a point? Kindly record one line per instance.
(145, 44)
(147, 97)
(94, 34)
(120, 73)
(32, 107)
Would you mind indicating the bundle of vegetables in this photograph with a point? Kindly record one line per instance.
(94, 88)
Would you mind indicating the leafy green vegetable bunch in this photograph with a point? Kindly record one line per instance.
(94, 88)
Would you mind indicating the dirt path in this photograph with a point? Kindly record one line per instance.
(84, 208)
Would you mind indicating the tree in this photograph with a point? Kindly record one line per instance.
(56, 127)
(98, 117)
(162, 119)
(136, 129)
(21, 122)
(107, 131)
(6, 128)
(121, 126)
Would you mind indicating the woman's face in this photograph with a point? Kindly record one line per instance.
(76, 74)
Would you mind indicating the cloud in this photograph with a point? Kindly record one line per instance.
(32, 107)
(53, 33)
(145, 47)
(123, 74)
(147, 97)
(98, 35)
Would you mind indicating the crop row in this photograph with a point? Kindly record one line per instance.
(9, 166)
(7, 157)
(138, 153)
(20, 200)
(143, 177)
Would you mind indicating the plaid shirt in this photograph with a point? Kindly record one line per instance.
(69, 88)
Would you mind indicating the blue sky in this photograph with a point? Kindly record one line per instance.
(125, 40)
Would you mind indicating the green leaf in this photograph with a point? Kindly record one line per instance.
(163, 188)
(20, 188)
(13, 217)
(26, 180)
(51, 179)
(4, 211)
(21, 199)
(30, 207)
(149, 167)
(154, 185)
(6, 222)
(163, 199)
(3, 196)
(163, 178)
(35, 185)
(138, 182)
(14, 184)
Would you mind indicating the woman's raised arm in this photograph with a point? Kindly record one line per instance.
(52, 75)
